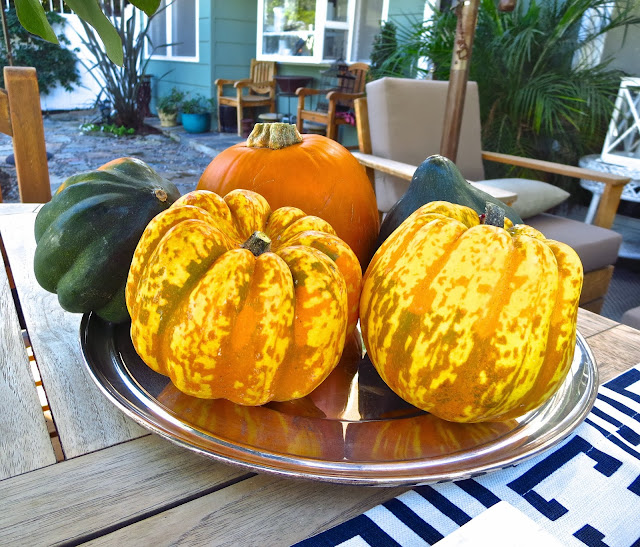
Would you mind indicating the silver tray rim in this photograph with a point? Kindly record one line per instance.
(145, 410)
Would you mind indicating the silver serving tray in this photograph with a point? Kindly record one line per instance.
(351, 430)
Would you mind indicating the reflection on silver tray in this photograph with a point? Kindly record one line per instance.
(352, 429)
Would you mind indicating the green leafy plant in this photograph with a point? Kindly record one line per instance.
(120, 84)
(170, 104)
(384, 58)
(55, 65)
(110, 128)
(197, 105)
(32, 16)
(538, 99)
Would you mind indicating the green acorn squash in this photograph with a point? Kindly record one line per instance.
(438, 179)
(87, 233)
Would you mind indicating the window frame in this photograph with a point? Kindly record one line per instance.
(320, 26)
(169, 32)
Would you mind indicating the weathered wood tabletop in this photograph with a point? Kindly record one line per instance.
(113, 482)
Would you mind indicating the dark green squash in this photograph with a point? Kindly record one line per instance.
(438, 179)
(87, 233)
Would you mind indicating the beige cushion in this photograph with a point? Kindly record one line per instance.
(406, 119)
(597, 247)
(632, 318)
(534, 196)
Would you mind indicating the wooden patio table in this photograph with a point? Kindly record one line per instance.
(117, 483)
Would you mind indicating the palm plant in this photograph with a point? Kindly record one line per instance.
(120, 84)
(537, 97)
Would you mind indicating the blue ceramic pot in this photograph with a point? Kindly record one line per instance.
(196, 123)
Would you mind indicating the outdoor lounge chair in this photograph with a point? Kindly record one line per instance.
(21, 119)
(260, 87)
(402, 120)
(336, 104)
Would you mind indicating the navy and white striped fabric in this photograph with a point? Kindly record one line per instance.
(585, 491)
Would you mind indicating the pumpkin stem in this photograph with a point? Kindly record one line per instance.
(161, 194)
(273, 136)
(493, 215)
(258, 243)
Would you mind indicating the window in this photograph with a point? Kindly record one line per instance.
(174, 31)
(313, 31)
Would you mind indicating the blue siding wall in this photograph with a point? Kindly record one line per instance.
(227, 43)
(234, 37)
(191, 77)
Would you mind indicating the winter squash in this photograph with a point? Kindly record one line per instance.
(470, 321)
(438, 179)
(311, 172)
(231, 300)
(87, 233)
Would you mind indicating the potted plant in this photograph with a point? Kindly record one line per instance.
(196, 114)
(168, 107)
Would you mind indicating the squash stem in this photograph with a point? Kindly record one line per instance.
(493, 215)
(258, 243)
(160, 194)
(274, 136)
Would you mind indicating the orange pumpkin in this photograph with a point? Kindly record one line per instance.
(311, 172)
(225, 316)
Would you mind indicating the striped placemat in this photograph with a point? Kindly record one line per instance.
(584, 491)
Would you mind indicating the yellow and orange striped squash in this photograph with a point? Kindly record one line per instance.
(224, 321)
(469, 321)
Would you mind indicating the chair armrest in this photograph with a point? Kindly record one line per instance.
(405, 171)
(239, 84)
(391, 167)
(303, 91)
(342, 96)
(613, 183)
(557, 168)
(222, 81)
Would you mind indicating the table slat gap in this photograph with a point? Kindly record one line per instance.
(86, 421)
(104, 489)
(24, 444)
(257, 511)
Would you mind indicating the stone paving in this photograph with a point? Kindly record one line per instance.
(175, 154)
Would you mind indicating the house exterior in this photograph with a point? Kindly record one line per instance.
(210, 39)
(218, 38)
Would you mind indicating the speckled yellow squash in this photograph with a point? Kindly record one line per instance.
(233, 301)
(469, 321)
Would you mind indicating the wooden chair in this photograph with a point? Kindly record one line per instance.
(21, 118)
(337, 100)
(260, 86)
(407, 127)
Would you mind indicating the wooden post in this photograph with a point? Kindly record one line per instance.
(364, 135)
(465, 31)
(28, 134)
